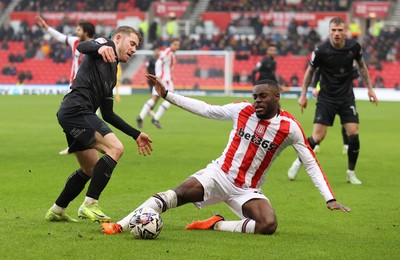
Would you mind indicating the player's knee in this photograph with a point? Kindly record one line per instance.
(267, 227)
(117, 150)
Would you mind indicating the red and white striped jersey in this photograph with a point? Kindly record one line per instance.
(255, 143)
(165, 64)
(72, 41)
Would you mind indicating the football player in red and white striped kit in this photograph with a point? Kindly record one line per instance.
(260, 132)
(84, 32)
(163, 68)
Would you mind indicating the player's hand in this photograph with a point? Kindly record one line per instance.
(372, 96)
(41, 23)
(334, 205)
(108, 54)
(302, 102)
(158, 85)
(315, 92)
(144, 144)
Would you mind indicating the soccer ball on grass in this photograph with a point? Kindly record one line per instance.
(146, 223)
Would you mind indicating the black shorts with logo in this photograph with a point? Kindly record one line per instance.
(327, 109)
(79, 128)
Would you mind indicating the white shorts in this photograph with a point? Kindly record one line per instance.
(169, 85)
(218, 188)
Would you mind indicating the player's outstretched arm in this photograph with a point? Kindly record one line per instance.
(41, 22)
(334, 205)
(158, 85)
(144, 144)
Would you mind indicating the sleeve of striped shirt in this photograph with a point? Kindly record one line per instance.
(310, 163)
(57, 35)
(201, 108)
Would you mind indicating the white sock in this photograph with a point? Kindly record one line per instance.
(168, 200)
(351, 173)
(163, 107)
(146, 108)
(243, 226)
(89, 201)
(57, 209)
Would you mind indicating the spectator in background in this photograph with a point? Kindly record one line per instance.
(28, 75)
(355, 29)
(4, 45)
(244, 77)
(21, 78)
(375, 62)
(171, 27)
(9, 70)
(45, 48)
(377, 27)
(62, 80)
(292, 29)
(379, 82)
(294, 80)
(154, 30)
(30, 51)
(16, 57)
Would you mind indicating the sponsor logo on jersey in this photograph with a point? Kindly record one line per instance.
(101, 40)
(257, 140)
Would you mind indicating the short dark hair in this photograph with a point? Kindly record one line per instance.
(268, 82)
(126, 30)
(88, 28)
(337, 20)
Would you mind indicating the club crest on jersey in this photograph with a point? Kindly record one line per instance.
(101, 40)
(260, 130)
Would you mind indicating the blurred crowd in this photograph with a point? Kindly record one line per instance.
(279, 6)
(298, 39)
(78, 5)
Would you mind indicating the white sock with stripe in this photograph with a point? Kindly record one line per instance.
(243, 226)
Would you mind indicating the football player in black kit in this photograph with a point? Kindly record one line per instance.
(86, 133)
(266, 67)
(335, 59)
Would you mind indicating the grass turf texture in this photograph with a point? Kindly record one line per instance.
(32, 174)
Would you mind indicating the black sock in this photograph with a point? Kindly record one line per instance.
(312, 142)
(101, 175)
(75, 184)
(352, 153)
(345, 137)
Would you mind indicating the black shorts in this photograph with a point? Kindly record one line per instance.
(327, 110)
(79, 128)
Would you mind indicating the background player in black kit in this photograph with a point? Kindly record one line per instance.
(335, 59)
(86, 133)
(266, 67)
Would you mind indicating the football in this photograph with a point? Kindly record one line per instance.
(146, 223)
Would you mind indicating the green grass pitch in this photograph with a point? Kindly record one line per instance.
(32, 174)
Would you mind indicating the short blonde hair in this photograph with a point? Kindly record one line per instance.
(126, 30)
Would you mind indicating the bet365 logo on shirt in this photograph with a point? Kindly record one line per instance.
(257, 140)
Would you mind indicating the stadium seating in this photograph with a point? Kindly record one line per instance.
(185, 74)
(43, 71)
